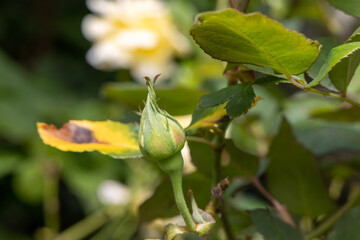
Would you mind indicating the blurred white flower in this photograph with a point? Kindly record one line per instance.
(111, 192)
(134, 34)
(189, 167)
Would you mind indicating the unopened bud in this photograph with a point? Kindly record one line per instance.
(160, 135)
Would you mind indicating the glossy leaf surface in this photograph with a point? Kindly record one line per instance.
(235, 37)
(240, 98)
(207, 117)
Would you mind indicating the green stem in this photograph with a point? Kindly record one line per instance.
(326, 225)
(173, 167)
(176, 180)
(218, 146)
(325, 94)
(86, 226)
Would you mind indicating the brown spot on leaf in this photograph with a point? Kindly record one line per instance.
(71, 132)
(82, 135)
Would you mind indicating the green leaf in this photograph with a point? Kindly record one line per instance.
(327, 43)
(351, 7)
(241, 101)
(219, 97)
(204, 221)
(271, 72)
(176, 100)
(336, 55)
(343, 72)
(330, 137)
(355, 37)
(293, 177)
(198, 150)
(347, 228)
(241, 97)
(340, 115)
(273, 228)
(255, 39)
(268, 80)
(207, 117)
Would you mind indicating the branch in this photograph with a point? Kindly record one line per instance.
(89, 224)
(234, 4)
(218, 146)
(327, 224)
(281, 209)
(325, 94)
(243, 5)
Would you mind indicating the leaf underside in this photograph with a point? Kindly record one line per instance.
(335, 57)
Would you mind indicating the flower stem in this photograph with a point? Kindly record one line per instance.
(173, 167)
(176, 180)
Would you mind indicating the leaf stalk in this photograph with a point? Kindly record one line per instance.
(325, 94)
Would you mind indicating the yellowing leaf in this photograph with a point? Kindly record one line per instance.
(207, 117)
(116, 139)
(210, 116)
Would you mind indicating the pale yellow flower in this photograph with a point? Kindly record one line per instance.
(135, 34)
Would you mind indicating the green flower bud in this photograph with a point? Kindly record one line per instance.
(160, 135)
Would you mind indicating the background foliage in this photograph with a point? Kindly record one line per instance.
(44, 78)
